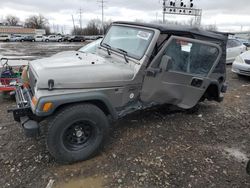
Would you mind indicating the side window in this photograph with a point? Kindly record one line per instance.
(230, 44)
(191, 57)
(237, 43)
(233, 43)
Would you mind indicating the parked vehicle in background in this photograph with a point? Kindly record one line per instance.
(77, 38)
(66, 38)
(53, 38)
(28, 39)
(91, 47)
(244, 41)
(241, 65)
(16, 38)
(138, 66)
(5, 37)
(234, 49)
(93, 37)
(39, 38)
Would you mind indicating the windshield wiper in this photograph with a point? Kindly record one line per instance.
(108, 47)
(125, 53)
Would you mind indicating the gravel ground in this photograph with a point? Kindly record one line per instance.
(152, 148)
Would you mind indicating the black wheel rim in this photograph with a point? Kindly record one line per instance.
(79, 135)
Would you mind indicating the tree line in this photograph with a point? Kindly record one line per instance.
(33, 21)
(94, 27)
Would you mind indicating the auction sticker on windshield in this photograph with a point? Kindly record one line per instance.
(143, 35)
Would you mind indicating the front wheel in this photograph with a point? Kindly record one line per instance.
(77, 133)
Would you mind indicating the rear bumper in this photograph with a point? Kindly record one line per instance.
(222, 91)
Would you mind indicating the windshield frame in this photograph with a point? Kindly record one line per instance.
(133, 27)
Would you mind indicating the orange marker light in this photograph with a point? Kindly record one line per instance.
(34, 101)
(47, 106)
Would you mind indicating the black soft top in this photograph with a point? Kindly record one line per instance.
(180, 30)
(193, 32)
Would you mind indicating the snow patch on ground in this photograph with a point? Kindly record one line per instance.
(236, 153)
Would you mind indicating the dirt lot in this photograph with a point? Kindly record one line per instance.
(152, 148)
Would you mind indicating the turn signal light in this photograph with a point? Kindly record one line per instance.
(34, 101)
(47, 106)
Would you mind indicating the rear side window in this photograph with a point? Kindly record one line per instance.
(191, 57)
(233, 43)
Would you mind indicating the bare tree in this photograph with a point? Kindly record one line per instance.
(94, 27)
(36, 22)
(211, 27)
(106, 26)
(12, 20)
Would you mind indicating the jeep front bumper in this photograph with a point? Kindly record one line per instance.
(23, 112)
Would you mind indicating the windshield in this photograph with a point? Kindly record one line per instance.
(134, 41)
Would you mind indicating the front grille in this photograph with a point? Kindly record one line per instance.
(247, 61)
(32, 81)
(245, 72)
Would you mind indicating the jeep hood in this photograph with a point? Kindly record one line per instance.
(74, 69)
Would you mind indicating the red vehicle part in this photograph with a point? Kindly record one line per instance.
(6, 84)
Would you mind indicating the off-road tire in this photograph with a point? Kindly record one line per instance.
(62, 123)
(248, 168)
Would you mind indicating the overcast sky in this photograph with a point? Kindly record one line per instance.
(228, 15)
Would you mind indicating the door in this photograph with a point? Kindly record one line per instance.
(179, 74)
(234, 49)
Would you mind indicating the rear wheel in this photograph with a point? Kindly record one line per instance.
(248, 167)
(77, 133)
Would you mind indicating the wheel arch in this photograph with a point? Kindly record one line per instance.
(59, 102)
(99, 103)
(213, 91)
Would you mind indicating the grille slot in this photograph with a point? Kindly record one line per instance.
(32, 81)
(245, 72)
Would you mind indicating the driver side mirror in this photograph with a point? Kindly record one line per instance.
(166, 63)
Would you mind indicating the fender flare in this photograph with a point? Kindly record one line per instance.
(67, 99)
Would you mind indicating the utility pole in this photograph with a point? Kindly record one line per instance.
(74, 24)
(80, 20)
(164, 10)
(102, 2)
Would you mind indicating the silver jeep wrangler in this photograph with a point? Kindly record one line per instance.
(136, 66)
